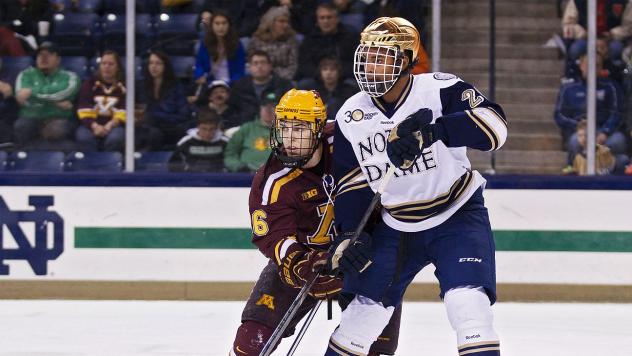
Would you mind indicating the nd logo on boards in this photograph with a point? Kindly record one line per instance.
(44, 222)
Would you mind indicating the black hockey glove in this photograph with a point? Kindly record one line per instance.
(350, 259)
(411, 136)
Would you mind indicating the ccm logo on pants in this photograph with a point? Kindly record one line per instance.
(470, 259)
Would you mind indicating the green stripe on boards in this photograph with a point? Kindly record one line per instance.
(192, 238)
(226, 238)
(578, 241)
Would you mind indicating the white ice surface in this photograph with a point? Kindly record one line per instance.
(207, 328)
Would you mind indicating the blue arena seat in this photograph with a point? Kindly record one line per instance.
(83, 6)
(36, 161)
(12, 66)
(183, 67)
(114, 32)
(152, 161)
(142, 6)
(94, 161)
(3, 161)
(75, 33)
(76, 64)
(176, 34)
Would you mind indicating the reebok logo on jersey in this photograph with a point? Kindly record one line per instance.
(470, 337)
(470, 259)
(357, 345)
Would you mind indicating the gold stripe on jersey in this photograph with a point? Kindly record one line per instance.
(417, 211)
(351, 181)
(493, 136)
(349, 176)
(350, 187)
(479, 347)
(276, 186)
(500, 117)
(478, 344)
(341, 350)
(479, 350)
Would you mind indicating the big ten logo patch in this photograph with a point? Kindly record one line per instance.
(43, 243)
(266, 300)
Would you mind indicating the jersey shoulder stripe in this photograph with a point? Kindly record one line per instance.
(270, 185)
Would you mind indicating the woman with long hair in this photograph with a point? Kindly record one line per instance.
(166, 115)
(101, 107)
(276, 36)
(221, 56)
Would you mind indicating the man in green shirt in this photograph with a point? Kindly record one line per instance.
(249, 147)
(45, 94)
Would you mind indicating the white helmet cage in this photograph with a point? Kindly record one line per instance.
(377, 68)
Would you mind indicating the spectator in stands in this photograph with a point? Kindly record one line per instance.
(202, 150)
(249, 147)
(9, 44)
(247, 92)
(219, 100)
(276, 37)
(332, 89)
(167, 116)
(614, 22)
(356, 8)
(102, 107)
(22, 16)
(301, 12)
(45, 94)
(605, 161)
(329, 38)
(571, 107)
(8, 110)
(245, 14)
(221, 55)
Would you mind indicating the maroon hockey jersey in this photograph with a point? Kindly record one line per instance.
(101, 102)
(290, 209)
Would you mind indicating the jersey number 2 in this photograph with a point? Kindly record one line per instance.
(471, 96)
(323, 234)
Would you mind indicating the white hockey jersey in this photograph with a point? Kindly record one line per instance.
(441, 180)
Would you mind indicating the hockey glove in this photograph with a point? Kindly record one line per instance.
(299, 266)
(411, 136)
(350, 259)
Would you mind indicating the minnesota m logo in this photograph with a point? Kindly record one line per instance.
(266, 300)
(37, 254)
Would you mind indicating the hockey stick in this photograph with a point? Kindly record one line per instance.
(303, 330)
(302, 294)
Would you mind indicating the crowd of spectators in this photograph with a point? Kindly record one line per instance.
(215, 111)
(614, 86)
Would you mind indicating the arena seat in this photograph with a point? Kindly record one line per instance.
(36, 161)
(76, 34)
(94, 161)
(152, 161)
(177, 33)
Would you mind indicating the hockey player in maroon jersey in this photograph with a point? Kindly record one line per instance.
(291, 210)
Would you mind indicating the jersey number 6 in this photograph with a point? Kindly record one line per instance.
(259, 225)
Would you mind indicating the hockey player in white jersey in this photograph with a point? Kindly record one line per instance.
(432, 208)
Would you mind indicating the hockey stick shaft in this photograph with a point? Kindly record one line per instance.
(306, 324)
(302, 294)
(376, 199)
(287, 318)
